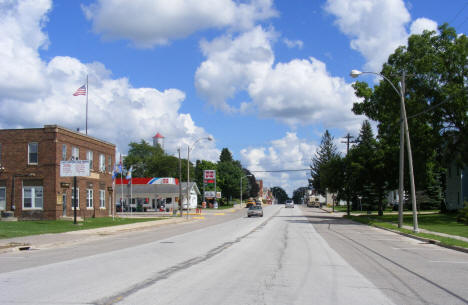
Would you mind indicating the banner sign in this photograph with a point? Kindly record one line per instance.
(210, 194)
(79, 168)
(209, 174)
(165, 180)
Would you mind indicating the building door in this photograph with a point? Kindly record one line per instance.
(64, 204)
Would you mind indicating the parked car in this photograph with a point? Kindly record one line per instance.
(255, 210)
(289, 203)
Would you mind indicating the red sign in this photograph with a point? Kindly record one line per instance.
(209, 181)
(209, 174)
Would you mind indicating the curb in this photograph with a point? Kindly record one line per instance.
(89, 233)
(423, 239)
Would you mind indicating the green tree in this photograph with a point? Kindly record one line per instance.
(279, 193)
(326, 152)
(225, 156)
(369, 178)
(150, 161)
(299, 193)
(436, 103)
(229, 174)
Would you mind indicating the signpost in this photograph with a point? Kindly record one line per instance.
(73, 169)
(209, 176)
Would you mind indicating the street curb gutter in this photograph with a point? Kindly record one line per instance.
(427, 240)
(423, 239)
(89, 234)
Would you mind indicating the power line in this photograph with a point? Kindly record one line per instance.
(458, 13)
(281, 170)
(459, 26)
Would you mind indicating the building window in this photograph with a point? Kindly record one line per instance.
(109, 164)
(75, 153)
(89, 198)
(64, 152)
(32, 197)
(102, 198)
(2, 198)
(102, 163)
(32, 153)
(89, 157)
(77, 198)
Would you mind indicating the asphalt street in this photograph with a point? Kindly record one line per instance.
(290, 256)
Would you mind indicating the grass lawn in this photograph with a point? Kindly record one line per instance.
(9, 229)
(443, 223)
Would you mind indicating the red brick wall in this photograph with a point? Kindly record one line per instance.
(14, 159)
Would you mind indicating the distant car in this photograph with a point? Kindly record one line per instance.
(289, 204)
(258, 202)
(255, 210)
(250, 203)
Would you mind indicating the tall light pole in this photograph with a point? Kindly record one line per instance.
(241, 188)
(209, 138)
(404, 133)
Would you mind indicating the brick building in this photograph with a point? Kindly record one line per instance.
(30, 182)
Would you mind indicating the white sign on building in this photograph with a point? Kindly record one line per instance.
(74, 168)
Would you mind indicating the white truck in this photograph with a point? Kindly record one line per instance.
(314, 201)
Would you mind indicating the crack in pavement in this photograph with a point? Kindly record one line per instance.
(166, 273)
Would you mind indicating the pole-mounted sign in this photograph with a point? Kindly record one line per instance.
(73, 169)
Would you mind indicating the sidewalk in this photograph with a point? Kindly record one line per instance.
(329, 210)
(53, 240)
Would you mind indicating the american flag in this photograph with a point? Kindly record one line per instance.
(80, 91)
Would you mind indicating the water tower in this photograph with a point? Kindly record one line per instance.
(158, 139)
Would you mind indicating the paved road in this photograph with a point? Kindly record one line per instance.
(290, 256)
(407, 270)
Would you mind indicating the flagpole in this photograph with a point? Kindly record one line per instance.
(121, 182)
(131, 190)
(113, 198)
(87, 90)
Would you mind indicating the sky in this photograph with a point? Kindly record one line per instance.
(263, 78)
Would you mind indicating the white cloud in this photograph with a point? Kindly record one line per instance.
(376, 27)
(155, 22)
(289, 152)
(41, 92)
(295, 92)
(419, 25)
(293, 43)
(232, 65)
(302, 92)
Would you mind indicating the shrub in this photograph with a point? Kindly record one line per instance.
(463, 215)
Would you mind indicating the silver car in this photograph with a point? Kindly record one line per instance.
(255, 210)
(289, 203)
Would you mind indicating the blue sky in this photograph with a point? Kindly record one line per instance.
(265, 78)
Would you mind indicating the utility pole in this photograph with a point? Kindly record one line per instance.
(180, 184)
(348, 138)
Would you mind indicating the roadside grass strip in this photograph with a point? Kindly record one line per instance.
(377, 221)
(33, 227)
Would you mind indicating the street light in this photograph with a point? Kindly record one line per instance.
(209, 138)
(241, 188)
(404, 133)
